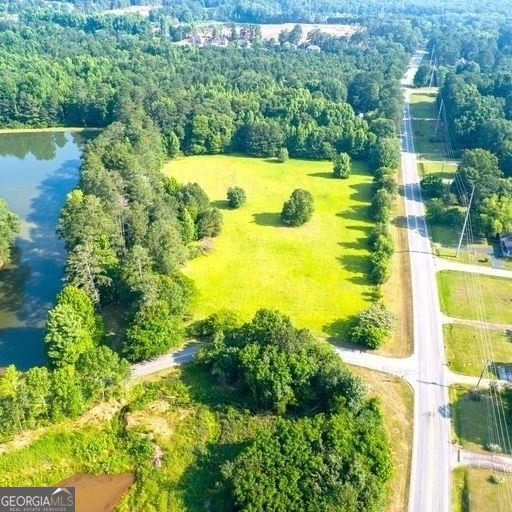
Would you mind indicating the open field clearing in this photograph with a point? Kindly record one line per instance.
(316, 273)
(396, 399)
(467, 349)
(470, 418)
(476, 297)
(473, 490)
(272, 31)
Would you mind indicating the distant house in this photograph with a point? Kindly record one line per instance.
(506, 243)
(313, 48)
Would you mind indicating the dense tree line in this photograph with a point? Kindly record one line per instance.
(472, 59)
(274, 11)
(128, 230)
(327, 450)
(81, 69)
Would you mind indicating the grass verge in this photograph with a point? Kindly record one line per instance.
(316, 273)
(475, 296)
(396, 399)
(397, 291)
(473, 491)
(467, 349)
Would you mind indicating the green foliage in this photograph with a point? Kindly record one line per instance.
(495, 215)
(341, 166)
(381, 206)
(298, 209)
(66, 393)
(103, 373)
(282, 468)
(478, 168)
(236, 197)
(72, 327)
(432, 185)
(385, 153)
(9, 226)
(281, 368)
(373, 326)
(282, 154)
(215, 325)
(152, 332)
(209, 223)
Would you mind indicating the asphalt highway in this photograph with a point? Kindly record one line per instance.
(431, 457)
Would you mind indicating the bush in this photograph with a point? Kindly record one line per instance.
(209, 223)
(341, 166)
(497, 479)
(282, 155)
(298, 209)
(432, 185)
(236, 197)
(373, 326)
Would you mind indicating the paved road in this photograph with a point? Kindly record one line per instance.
(491, 461)
(431, 457)
(181, 356)
(442, 264)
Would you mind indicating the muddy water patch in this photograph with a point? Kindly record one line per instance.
(98, 493)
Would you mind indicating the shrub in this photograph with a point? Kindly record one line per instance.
(298, 209)
(236, 197)
(373, 326)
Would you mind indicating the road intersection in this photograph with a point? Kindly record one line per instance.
(433, 454)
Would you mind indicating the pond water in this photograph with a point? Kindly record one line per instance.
(37, 170)
(98, 493)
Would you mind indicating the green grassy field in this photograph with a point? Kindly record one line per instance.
(470, 418)
(444, 169)
(466, 348)
(477, 297)
(423, 111)
(423, 106)
(316, 273)
(472, 491)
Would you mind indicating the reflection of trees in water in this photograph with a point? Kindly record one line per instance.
(43, 145)
(44, 251)
(12, 282)
(29, 289)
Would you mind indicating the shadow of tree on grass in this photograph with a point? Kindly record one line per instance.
(221, 204)
(327, 175)
(267, 219)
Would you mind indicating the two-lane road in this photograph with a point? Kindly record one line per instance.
(431, 462)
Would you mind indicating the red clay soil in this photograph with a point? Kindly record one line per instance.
(98, 493)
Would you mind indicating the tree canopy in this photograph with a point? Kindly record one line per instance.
(298, 209)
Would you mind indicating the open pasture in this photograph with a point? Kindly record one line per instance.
(315, 273)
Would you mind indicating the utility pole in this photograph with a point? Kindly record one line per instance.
(482, 374)
(465, 222)
(439, 116)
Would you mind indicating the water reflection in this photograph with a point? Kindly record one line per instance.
(35, 187)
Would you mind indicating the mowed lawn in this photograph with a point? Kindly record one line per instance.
(316, 273)
(473, 490)
(475, 296)
(468, 348)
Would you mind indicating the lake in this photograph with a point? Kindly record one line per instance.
(37, 170)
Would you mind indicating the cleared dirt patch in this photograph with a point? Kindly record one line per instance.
(272, 31)
(98, 493)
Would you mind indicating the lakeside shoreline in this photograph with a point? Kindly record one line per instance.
(73, 129)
